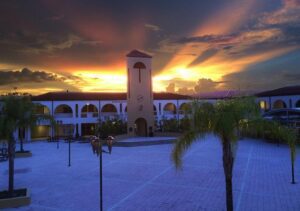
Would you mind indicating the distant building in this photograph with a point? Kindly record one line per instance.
(285, 97)
(77, 113)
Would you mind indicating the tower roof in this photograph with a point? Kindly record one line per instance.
(136, 53)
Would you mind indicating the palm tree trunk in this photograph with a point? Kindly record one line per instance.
(21, 139)
(11, 164)
(228, 166)
(293, 172)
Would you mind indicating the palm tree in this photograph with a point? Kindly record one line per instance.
(272, 130)
(290, 137)
(229, 120)
(16, 112)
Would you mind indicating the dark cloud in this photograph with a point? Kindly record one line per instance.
(206, 85)
(27, 76)
(93, 34)
(170, 88)
(278, 72)
(186, 91)
(204, 56)
(57, 35)
(35, 43)
(152, 27)
(207, 39)
(203, 85)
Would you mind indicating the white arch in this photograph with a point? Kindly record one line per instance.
(279, 104)
(170, 108)
(63, 110)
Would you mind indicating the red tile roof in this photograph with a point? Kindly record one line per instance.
(136, 53)
(170, 96)
(72, 96)
(289, 90)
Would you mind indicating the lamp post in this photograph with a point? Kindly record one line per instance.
(69, 152)
(69, 140)
(56, 135)
(100, 168)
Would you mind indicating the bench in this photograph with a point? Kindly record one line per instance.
(3, 154)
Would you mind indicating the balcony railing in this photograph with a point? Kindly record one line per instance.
(169, 112)
(63, 115)
(89, 115)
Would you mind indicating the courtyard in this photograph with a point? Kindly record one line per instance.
(144, 177)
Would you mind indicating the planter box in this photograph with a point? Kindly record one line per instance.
(24, 154)
(16, 201)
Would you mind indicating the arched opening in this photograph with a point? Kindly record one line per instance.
(297, 104)
(154, 110)
(64, 130)
(89, 110)
(109, 111)
(140, 127)
(109, 108)
(41, 109)
(170, 108)
(184, 108)
(139, 66)
(263, 105)
(279, 104)
(63, 111)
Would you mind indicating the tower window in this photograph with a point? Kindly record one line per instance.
(139, 65)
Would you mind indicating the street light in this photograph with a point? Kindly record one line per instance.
(100, 169)
(69, 139)
(97, 148)
(57, 135)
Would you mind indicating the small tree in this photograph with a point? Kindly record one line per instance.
(111, 127)
(290, 137)
(170, 125)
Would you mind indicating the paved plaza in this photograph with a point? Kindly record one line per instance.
(144, 178)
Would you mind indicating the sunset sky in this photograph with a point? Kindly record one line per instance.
(197, 46)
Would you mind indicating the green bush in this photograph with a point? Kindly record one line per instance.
(111, 128)
(170, 125)
(184, 124)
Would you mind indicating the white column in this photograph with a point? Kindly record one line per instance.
(28, 134)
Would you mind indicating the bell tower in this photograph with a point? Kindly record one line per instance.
(139, 94)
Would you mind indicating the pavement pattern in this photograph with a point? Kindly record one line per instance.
(144, 178)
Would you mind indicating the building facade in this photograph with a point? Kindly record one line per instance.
(285, 97)
(77, 113)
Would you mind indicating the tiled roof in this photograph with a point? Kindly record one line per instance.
(136, 53)
(66, 96)
(289, 90)
(169, 96)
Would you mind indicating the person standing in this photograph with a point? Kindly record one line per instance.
(110, 143)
